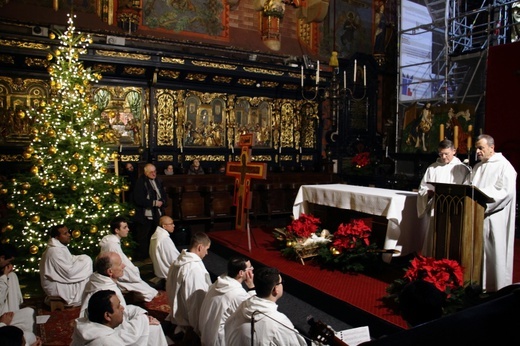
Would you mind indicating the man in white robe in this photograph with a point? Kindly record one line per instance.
(271, 327)
(447, 169)
(102, 327)
(187, 284)
(496, 177)
(223, 298)
(131, 280)
(61, 273)
(138, 328)
(162, 249)
(11, 297)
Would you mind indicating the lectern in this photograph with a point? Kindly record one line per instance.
(459, 221)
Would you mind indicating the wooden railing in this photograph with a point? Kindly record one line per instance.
(208, 198)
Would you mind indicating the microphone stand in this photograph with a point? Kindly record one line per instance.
(280, 323)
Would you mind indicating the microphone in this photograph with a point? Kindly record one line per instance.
(470, 170)
(253, 327)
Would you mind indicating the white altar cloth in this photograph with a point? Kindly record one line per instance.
(405, 231)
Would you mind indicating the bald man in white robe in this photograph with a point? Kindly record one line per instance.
(162, 248)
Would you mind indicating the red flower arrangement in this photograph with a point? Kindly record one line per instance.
(304, 226)
(351, 235)
(445, 274)
(361, 159)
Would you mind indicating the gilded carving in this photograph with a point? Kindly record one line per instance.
(165, 121)
(268, 84)
(222, 79)
(169, 74)
(136, 71)
(23, 44)
(214, 65)
(123, 55)
(105, 68)
(245, 81)
(167, 158)
(199, 77)
(173, 60)
(11, 158)
(263, 71)
(36, 62)
(129, 158)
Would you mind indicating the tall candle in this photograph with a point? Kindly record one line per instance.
(364, 75)
(317, 72)
(301, 76)
(355, 69)
(345, 80)
(470, 134)
(456, 137)
(441, 132)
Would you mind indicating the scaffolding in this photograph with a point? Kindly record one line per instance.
(461, 33)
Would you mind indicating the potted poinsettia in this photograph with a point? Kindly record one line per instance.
(445, 274)
(350, 248)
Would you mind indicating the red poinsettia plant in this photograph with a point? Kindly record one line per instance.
(304, 226)
(351, 235)
(361, 159)
(445, 274)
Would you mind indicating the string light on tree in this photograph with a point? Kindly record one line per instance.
(63, 184)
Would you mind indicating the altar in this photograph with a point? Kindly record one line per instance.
(405, 231)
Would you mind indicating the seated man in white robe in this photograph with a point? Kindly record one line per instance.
(131, 280)
(223, 298)
(271, 327)
(138, 327)
(11, 297)
(102, 326)
(61, 273)
(187, 284)
(162, 249)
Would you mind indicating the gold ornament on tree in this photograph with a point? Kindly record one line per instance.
(73, 187)
(9, 227)
(10, 205)
(35, 218)
(73, 168)
(33, 250)
(76, 233)
(93, 229)
(69, 211)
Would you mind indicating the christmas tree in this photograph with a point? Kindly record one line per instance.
(69, 181)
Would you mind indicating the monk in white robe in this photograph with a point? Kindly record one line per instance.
(137, 328)
(223, 298)
(131, 280)
(61, 273)
(187, 284)
(496, 177)
(11, 297)
(448, 169)
(102, 327)
(271, 327)
(162, 249)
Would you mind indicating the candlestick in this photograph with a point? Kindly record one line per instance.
(355, 69)
(470, 134)
(456, 137)
(441, 132)
(317, 72)
(301, 76)
(345, 80)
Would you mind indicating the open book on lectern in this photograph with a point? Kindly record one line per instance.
(462, 190)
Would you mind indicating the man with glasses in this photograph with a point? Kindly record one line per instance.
(61, 273)
(162, 248)
(447, 169)
(150, 200)
(223, 298)
(260, 314)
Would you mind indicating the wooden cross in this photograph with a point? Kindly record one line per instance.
(244, 171)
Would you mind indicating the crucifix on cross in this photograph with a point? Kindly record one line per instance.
(244, 171)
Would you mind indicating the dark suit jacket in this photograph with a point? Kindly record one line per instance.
(145, 195)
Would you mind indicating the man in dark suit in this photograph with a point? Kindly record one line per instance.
(150, 200)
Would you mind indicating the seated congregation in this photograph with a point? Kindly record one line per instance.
(200, 312)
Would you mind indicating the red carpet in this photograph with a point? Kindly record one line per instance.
(361, 291)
